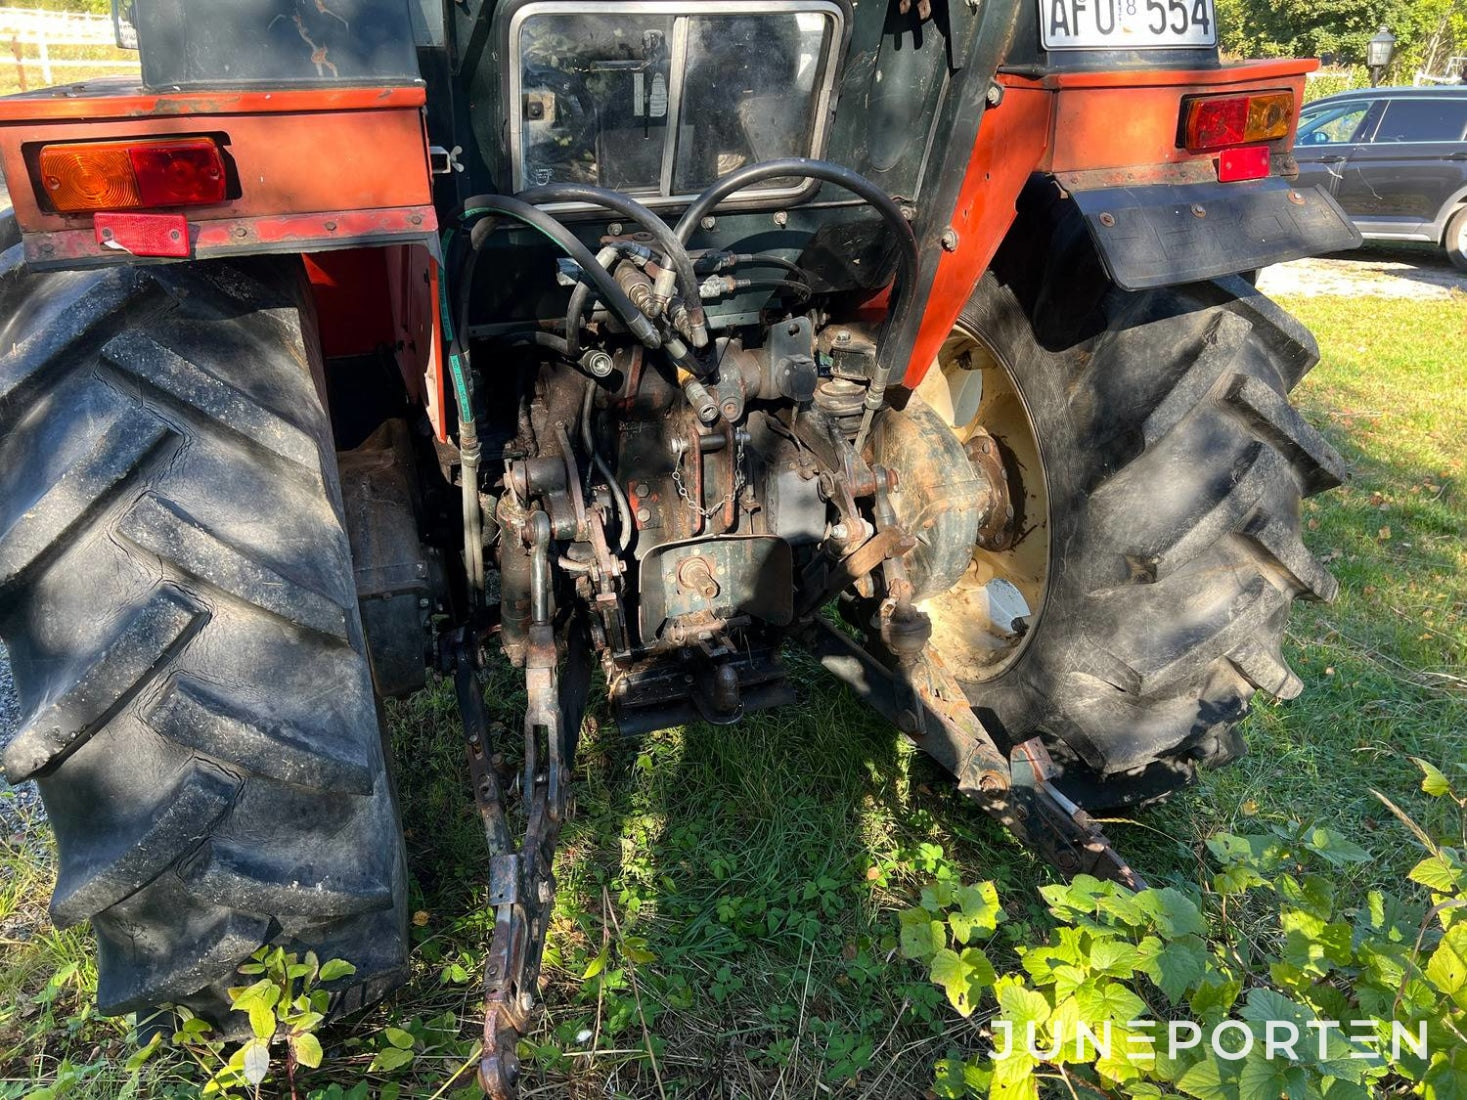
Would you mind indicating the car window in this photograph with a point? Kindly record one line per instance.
(1331, 126)
(1423, 120)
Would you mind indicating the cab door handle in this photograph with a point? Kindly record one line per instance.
(1333, 158)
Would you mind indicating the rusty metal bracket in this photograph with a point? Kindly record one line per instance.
(930, 707)
(521, 879)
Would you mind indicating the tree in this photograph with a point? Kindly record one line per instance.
(1427, 31)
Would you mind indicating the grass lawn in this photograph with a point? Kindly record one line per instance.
(746, 878)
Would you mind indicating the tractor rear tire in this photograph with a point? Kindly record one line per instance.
(1174, 468)
(177, 597)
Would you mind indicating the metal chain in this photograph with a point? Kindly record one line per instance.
(739, 481)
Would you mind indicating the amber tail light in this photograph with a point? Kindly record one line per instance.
(1217, 122)
(132, 175)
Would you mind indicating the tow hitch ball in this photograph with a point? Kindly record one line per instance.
(918, 695)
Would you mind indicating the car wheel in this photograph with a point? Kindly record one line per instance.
(1456, 239)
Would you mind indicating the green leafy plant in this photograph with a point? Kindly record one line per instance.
(285, 1005)
(1264, 985)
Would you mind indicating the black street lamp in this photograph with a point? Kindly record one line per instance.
(1378, 53)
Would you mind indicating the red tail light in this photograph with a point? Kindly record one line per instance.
(129, 175)
(1216, 122)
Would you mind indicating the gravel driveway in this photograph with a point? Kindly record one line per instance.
(1375, 271)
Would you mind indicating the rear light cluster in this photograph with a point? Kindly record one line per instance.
(1232, 125)
(132, 175)
(1216, 122)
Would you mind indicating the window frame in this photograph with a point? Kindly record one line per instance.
(682, 11)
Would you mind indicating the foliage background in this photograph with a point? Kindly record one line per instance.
(1428, 32)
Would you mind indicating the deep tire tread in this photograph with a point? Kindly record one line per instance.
(204, 719)
(1178, 466)
(177, 597)
(152, 636)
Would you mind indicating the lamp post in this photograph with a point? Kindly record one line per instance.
(1378, 53)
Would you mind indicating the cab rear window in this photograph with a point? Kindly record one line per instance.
(1423, 120)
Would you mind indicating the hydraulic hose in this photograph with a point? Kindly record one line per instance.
(558, 234)
(908, 260)
(468, 442)
(543, 339)
(854, 182)
(580, 297)
(619, 498)
(668, 241)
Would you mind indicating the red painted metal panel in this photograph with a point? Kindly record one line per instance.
(353, 308)
(234, 236)
(123, 98)
(1011, 144)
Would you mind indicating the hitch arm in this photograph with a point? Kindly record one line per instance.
(521, 878)
(929, 706)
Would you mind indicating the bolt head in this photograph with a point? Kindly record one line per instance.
(707, 223)
(1107, 219)
(781, 218)
(949, 239)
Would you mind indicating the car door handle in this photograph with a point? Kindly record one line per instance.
(1333, 158)
(1458, 156)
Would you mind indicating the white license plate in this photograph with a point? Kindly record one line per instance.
(1126, 24)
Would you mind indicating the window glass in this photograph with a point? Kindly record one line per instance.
(658, 102)
(1423, 120)
(1331, 127)
(594, 99)
(749, 94)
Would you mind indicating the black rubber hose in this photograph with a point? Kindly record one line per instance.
(799, 289)
(668, 241)
(580, 298)
(773, 261)
(908, 260)
(619, 498)
(542, 339)
(853, 182)
(556, 231)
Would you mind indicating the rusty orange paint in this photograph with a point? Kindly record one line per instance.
(291, 163)
(1064, 123)
(412, 279)
(1246, 72)
(122, 98)
(340, 174)
(233, 236)
(1011, 144)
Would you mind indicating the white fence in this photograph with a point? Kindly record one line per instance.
(31, 34)
(1456, 73)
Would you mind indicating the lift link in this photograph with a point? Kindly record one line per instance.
(926, 702)
(521, 880)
